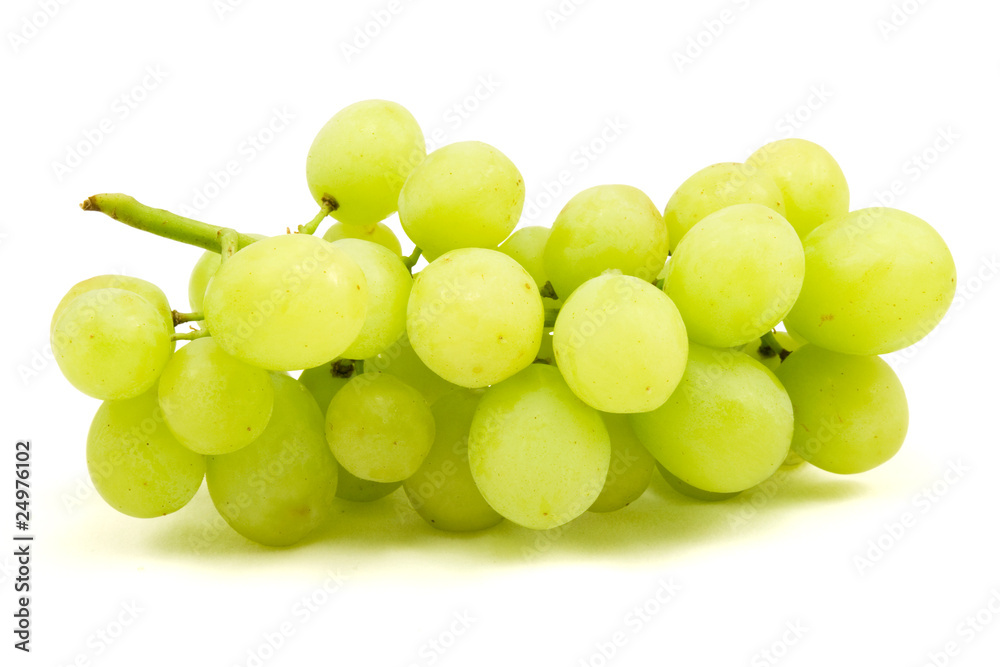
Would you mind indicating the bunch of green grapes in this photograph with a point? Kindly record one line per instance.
(528, 374)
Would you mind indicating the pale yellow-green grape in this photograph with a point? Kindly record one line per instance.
(377, 233)
(112, 344)
(442, 491)
(812, 184)
(202, 273)
(714, 188)
(475, 317)
(601, 228)
(546, 352)
(538, 454)
(735, 275)
(630, 470)
(323, 382)
(287, 303)
(877, 280)
(147, 290)
(280, 487)
(760, 351)
(379, 428)
(850, 411)
(401, 360)
(728, 426)
(526, 246)
(212, 402)
(389, 283)
(360, 159)
(135, 462)
(799, 339)
(620, 344)
(686, 489)
(464, 195)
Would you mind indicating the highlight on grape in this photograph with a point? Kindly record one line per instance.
(524, 374)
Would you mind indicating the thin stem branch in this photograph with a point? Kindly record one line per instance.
(412, 259)
(194, 335)
(548, 291)
(181, 318)
(311, 226)
(169, 225)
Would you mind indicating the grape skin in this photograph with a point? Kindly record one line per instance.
(401, 360)
(136, 463)
(526, 246)
(147, 290)
(281, 487)
(378, 233)
(630, 470)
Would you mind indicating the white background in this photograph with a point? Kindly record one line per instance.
(791, 555)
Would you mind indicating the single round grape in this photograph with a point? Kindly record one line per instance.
(538, 454)
(850, 411)
(401, 360)
(135, 462)
(601, 228)
(280, 487)
(378, 233)
(526, 246)
(389, 283)
(475, 317)
(361, 158)
(717, 187)
(735, 275)
(442, 491)
(624, 319)
(728, 426)
(212, 402)
(147, 290)
(379, 428)
(202, 273)
(112, 344)
(686, 489)
(877, 280)
(286, 303)
(812, 184)
(630, 470)
(464, 195)
(759, 351)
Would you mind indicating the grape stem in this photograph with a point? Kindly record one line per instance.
(194, 335)
(329, 206)
(771, 344)
(411, 261)
(659, 283)
(548, 291)
(181, 318)
(169, 225)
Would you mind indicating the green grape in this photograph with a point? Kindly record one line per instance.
(728, 426)
(147, 290)
(759, 351)
(799, 340)
(735, 275)
(546, 352)
(526, 246)
(212, 402)
(286, 303)
(630, 470)
(475, 317)
(877, 280)
(442, 491)
(850, 411)
(605, 227)
(112, 344)
(389, 283)
(202, 273)
(135, 462)
(401, 360)
(538, 454)
(685, 489)
(620, 344)
(361, 158)
(378, 233)
(812, 184)
(464, 195)
(323, 382)
(717, 187)
(280, 487)
(379, 428)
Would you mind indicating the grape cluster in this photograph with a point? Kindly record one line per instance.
(527, 375)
